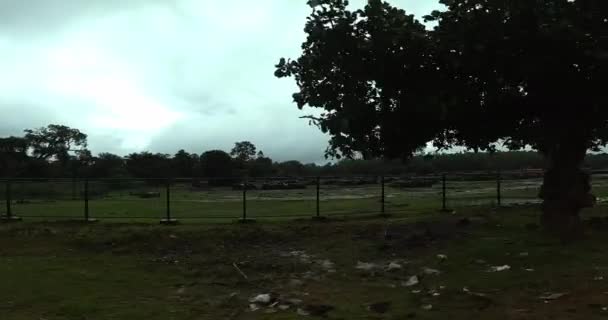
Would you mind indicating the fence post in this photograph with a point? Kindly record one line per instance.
(9, 213)
(444, 206)
(168, 220)
(498, 187)
(244, 218)
(318, 198)
(382, 198)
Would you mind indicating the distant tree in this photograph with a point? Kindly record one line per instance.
(56, 142)
(216, 164)
(13, 156)
(261, 166)
(149, 165)
(107, 165)
(291, 168)
(184, 163)
(521, 73)
(243, 151)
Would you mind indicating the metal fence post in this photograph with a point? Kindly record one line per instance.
(382, 197)
(244, 218)
(498, 187)
(86, 200)
(444, 206)
(168, 220)
(9, 213)
(318, 197)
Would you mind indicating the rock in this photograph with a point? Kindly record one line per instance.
(500, 268)
(427, 307)
(393, 266)
(379, 307)
(429, 271)
(553, 296)
(283, 307)
(598, 278)
(261, 299)
(302, 312)
(365, 266)
(294, 302)
(529, 270)
(412, 281)
(326, 264)
(442, 257)
(253, 307)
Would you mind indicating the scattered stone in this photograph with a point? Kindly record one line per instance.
(476, 294)
(294, 302)
(480, 261)
(283, 307)
(393, 266)
(416, 291)
(529, 270)
(427, 307)
(553, 296)
(326, 264)
(429, 271)
(598, 278)
(253, 307)
(366, 266)
(261, 299)
(270, 310)
(379, 307)
(500, 268)
(302, 312)
(442, 257)
(412, 281)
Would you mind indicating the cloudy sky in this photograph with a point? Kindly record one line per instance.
(159, 75)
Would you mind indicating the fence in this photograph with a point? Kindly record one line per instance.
(221, 199)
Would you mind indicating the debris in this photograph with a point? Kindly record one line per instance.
(476, 294)
(480, 261)
(294, 302)
(553, 296)
(430, 271)
(427, 307)
(253, 307)
(598, 278)
(284, 307)
(379, 307)
(442, 257)
(270, 310)
(302, 312)
(240, 271)
(366, 266)
(441, 287)
(529, 270)
(393, 266)
(500, 268)
(261, 299)
(412, 281)
(416, 291)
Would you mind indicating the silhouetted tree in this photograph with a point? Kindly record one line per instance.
(243, 151)
(56, 142)
(525, 73)
(216, 165)
(13, 156)
(107, 165)
(184, 163)
(149, 165)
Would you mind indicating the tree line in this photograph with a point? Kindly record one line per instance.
(60, 151)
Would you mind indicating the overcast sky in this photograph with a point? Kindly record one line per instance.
(159, 75)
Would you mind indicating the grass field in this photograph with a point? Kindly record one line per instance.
(63, 200)
(61, 271)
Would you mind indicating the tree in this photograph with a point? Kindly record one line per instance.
(55, 142)
(243, 151)
(216, 165)
(184, 163)
(107, 165)
(521, 73)
(13, 155)
(149, 165)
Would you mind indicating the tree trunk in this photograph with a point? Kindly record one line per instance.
(565, 191)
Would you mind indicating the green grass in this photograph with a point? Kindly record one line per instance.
(58, 271)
